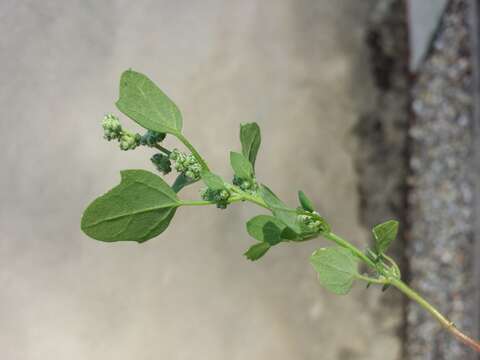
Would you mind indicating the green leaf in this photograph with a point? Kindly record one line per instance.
(384, 235)
(213, 181)
(241, 166)
(142, 101)
(266, 228)
(137, 209)
(256, 251)
(280, 210)
(250, 139)
(305, 202)
(336, 268)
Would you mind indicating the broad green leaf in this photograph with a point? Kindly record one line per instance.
(256, 251)
(212, 180)
(266, 228)
(336, 268)
(142, 101)
(305, 202)
(137, 209)
(280, 210)
(384, 235)
(241, 166)
(181, 181)
(250, 139)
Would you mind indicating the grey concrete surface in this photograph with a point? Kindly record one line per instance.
(442, 195)
(296, 67)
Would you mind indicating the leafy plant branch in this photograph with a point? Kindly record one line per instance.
(142, 206)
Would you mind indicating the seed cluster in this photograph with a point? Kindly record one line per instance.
(248, 185)
(112, 130)
(310, 222)
(186, 164)
(220, 197)
(151, 138)
(162, 163)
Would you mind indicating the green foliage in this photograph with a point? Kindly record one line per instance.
(280, 210)
(256, 251)
(242, 168)
(142, 205)
(213, 181)
(250, 139)
(266, 228)
(336, 268)
(305, 202)
(138, 209)
(142, 101)
(384, 234)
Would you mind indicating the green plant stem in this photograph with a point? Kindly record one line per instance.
(195, 153)
(344, 243)
(447, 324)
(231, 200)
(162, 149)
(197, 202)
(254, 199)
(372, 280)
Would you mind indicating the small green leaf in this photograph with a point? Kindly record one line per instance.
(241, 166)
(256, 251)
(306, 203)
(213, 181)
(250, 139)
(266, 228)
(142, 101)
(336, 268)
(280, 210)
(137, 209)
(384, 235)
(289, 234)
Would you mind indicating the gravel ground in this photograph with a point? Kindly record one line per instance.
(441, 197)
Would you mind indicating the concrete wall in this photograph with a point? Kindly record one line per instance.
(296, 67)
(442, 190)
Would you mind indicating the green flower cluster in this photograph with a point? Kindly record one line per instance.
(151, 138)
(220, 197)
(162, 163)
(248, 185)
(186, 164)
(129, 141)
(310, 222)
(112, 130)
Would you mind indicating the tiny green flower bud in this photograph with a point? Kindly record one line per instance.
(129, 141)
(174, 154)
(112, 128)
(245, 185)
(162, 163)
(186, 164)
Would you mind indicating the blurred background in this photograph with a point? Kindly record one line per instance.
(347, 94)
